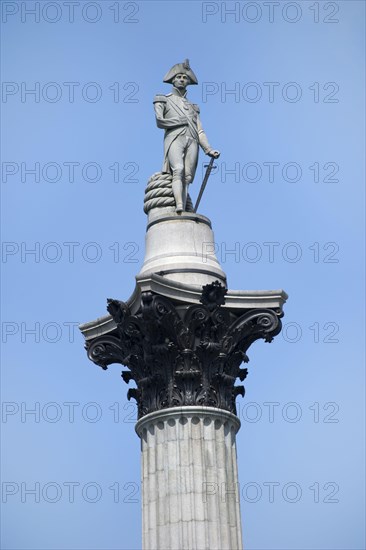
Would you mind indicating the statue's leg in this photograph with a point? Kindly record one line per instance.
(190, 161)
(176, 162)
(190, 166)
(184, 194)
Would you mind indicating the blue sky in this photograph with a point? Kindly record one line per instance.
(291, 211)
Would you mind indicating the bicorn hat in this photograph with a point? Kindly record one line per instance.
(181, 68)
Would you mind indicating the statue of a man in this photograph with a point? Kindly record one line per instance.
(183, 131)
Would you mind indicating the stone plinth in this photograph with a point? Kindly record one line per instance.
(181, 248)
(190, 491)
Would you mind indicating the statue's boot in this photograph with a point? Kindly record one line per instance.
(177, 187)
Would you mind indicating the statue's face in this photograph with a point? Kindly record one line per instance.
(181, 81)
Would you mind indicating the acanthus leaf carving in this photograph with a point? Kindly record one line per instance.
(183, 356)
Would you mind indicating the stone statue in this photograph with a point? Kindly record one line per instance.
(183, 132)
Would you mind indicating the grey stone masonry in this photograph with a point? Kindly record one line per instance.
(190, 490)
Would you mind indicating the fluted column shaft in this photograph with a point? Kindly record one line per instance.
(190, 491)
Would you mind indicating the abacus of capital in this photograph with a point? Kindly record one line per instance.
(183, 337)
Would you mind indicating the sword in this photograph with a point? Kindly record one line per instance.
(204, 183)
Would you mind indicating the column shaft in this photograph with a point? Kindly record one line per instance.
(190, 490)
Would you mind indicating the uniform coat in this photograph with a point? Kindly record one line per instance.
(181, 121)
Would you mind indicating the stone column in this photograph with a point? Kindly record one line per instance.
(190, 491)
(185, 360)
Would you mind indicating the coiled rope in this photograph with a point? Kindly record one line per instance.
(159, 193)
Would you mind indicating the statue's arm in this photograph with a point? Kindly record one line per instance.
(161, 120)
(203, 141)
(202, 138)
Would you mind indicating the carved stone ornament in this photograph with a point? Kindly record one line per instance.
(183, 356)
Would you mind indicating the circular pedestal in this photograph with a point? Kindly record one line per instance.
(181, 248)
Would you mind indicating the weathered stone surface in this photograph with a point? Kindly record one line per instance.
(181, 247)
(194, 501)
(180, 355)
(240, 301)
